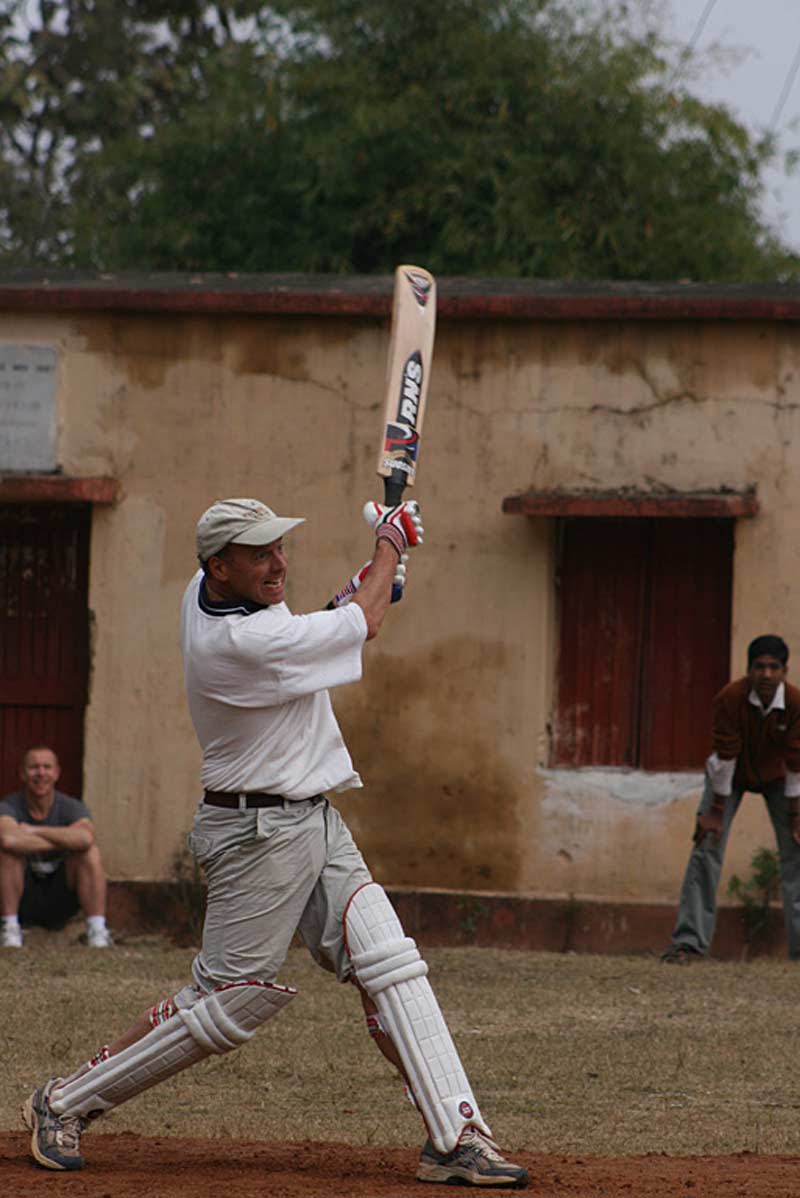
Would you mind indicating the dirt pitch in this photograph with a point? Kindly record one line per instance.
(128, 1166)
(604, 1076)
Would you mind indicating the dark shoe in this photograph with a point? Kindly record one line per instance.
(474, 1161)
(681, 954)
(56, 1140)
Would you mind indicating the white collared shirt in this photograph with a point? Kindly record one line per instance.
(778, 700)
(257, 681)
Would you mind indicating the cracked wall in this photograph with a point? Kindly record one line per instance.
(449, 726)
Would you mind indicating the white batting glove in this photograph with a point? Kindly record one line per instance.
(402, 525)
(341, 598)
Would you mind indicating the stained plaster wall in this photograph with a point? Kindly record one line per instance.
(449, 725)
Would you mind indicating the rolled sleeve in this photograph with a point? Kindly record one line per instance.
(720, 773)
(792, 788)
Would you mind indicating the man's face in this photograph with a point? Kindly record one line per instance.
(254, 572)
(766, 674)
(40, 772)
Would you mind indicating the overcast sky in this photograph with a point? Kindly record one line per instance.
(768, 34)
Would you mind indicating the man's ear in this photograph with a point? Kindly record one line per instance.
(218, 568)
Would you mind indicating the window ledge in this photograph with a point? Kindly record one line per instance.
(638, 788)
(658, 504)
(55, 488)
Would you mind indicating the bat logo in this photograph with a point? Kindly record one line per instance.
(410, 389)
(400, 448)
(420, 285)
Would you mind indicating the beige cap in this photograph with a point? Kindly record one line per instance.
(242, 522)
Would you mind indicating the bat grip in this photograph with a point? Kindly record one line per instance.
(393, 488)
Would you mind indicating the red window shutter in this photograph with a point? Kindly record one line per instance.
(44, 636)
(687, 642)
(644, 637)
(602, 582)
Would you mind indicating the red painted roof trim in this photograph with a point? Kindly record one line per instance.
(371, 296)
(54, 488)
(691, 506)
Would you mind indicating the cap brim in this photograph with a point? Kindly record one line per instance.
(264, 532)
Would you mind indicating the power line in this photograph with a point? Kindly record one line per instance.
(785, 90)
(692, 42)
(700, 26)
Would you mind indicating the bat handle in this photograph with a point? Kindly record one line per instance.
(393, 488)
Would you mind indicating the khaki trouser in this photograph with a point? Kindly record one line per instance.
(270, 873)
(697, 908)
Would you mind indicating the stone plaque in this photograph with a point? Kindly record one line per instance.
(27, 407)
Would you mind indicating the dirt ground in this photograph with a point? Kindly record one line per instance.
(129, 1166)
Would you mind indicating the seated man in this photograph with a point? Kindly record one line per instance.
(49, 860)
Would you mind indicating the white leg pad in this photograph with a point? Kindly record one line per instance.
(388, 965)
(217, 1023)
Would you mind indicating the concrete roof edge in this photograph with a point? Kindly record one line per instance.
(237, 293)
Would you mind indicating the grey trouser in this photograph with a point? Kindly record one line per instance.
(270, 873)
(697, 908)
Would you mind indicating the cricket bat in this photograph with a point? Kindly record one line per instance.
(408, 372)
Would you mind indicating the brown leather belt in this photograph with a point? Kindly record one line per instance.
(222, 798)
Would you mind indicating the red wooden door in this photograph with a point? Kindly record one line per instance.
(44, 636)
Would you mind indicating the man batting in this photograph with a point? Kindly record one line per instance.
(277, 854)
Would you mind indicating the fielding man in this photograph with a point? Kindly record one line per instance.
(755, 748)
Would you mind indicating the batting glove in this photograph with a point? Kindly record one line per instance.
(402, 525)
(349, 589)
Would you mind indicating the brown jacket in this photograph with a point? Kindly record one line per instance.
(766, 746)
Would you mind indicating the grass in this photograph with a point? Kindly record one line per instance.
(575, 1054)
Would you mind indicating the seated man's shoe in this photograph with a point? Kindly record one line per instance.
(99, 938)
(10, 937)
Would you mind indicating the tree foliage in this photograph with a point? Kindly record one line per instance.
(499, 137)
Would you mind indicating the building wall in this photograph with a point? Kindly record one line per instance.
(449, 725)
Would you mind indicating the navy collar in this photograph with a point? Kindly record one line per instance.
(226, 607)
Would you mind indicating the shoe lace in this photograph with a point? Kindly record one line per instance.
(72, 1126)
(472, 1138)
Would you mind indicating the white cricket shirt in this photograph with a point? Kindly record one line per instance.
(257, 681)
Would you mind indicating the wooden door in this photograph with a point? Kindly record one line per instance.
(44, 636)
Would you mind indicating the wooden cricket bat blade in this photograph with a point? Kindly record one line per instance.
(407, 377)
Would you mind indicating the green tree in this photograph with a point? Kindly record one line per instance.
(80, 80)
(541, 138)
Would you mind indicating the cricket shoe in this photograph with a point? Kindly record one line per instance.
(681, 954)
(55, 1139)
(474, 1161)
